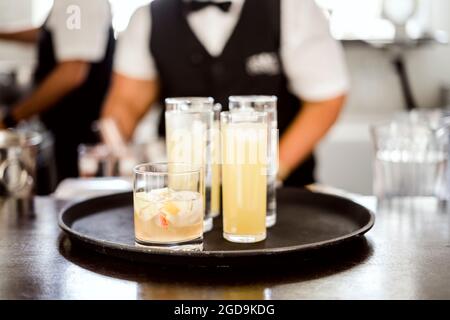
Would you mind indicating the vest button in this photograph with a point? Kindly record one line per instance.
(196, 58)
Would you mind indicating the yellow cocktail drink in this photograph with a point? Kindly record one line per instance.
(244, 184)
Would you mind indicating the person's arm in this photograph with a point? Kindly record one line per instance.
(27, 36)
(134, 85)
(307, 129)
(66, 77)
(128, 100)
(315, 66)
(74, 49)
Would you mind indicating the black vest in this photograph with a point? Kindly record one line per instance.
(250, 63)
(70, 120)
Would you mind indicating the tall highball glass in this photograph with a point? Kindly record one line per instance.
(264, 104)
(244, 175)
(188, 139)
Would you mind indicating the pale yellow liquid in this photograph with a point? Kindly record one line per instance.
(244, 181)
(215, 190)
(167, 221)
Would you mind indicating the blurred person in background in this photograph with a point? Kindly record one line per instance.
(242, 47)
(75, 55)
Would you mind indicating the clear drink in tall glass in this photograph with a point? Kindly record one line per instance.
(188, 139)
(244, 175)
(264, 104)
(168, 206)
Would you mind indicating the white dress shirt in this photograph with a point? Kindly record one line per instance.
(313, 61)
(86, 41)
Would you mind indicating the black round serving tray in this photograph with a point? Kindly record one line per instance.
(306, 221)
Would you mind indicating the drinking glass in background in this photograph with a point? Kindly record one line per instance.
(130, 157)
(216, 182)
(169, 206)
(100, 161)
(411, 155)
(436, 119)
(264, 104)
(94, 161)
(189, 121)
(244, 175)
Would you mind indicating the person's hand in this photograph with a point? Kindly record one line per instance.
(128, 100)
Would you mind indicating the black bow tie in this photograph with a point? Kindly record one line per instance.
(198, 5)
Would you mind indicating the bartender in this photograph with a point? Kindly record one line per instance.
(242, 47)
(75, 53)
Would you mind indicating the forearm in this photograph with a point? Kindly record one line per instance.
(28, 36)
(305, 132)
(121, 111)
(64, 79)
(128, 101)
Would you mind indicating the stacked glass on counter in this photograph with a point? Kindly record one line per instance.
(411, 156)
